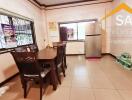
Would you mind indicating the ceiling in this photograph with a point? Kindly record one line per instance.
(59, 2)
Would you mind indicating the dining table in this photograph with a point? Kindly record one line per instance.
(48, 56)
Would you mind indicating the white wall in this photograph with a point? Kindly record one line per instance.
(80, 13)
(25, 8)
(121, 36)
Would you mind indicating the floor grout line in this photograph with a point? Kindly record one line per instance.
(112, 84)
(120, 95)
(70, 87)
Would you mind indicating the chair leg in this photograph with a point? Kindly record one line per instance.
(41, 87)
(65, 61)
(63, 69)
(58, 76)
(53, 77)
(22, 82)
(25, 89)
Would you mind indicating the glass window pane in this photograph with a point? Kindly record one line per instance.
(23, 31)
(23, 39)
(9, 35)
(82, 28)
(3, 20)
(71, 30)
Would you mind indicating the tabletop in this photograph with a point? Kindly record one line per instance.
(47, 54)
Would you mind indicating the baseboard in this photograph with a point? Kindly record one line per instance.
(7, 80)
(92, 57)
(104, 54)
(74, 54)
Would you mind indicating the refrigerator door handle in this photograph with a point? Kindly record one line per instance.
(93, 35)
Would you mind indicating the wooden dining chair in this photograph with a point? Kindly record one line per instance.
(33, 48)
(64, 55)
(62, 43)
(59, 63)
(21, 49)
(30, 69)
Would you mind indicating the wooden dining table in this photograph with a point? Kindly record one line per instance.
(48, 56)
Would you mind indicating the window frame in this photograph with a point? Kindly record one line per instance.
(6, 50)
(77, 21)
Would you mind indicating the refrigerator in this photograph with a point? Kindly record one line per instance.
(92, 40)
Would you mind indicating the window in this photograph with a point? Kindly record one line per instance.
(15, 32)
(23, 31)
(71, 30)
(76, 30)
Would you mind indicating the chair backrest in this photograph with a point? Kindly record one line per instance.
(33, 48)
(26, 63)
(64, 48)
(21, 49)
(59, 54)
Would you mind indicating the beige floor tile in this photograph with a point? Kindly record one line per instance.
(81, 81)
(126, 94)
(120, 81)
(66, 81)
(62, 93)
(101, 83)
(81, 94)
(106, 94)
(120, 84)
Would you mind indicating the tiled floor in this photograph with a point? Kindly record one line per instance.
(101, 79)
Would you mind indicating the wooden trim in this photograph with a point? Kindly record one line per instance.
(37, 2)
(59, 4)
(44, 5)
(104, 54)
(79, 5)
(67, 3)
(5, 51)
(33, 33)
(7, 80)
